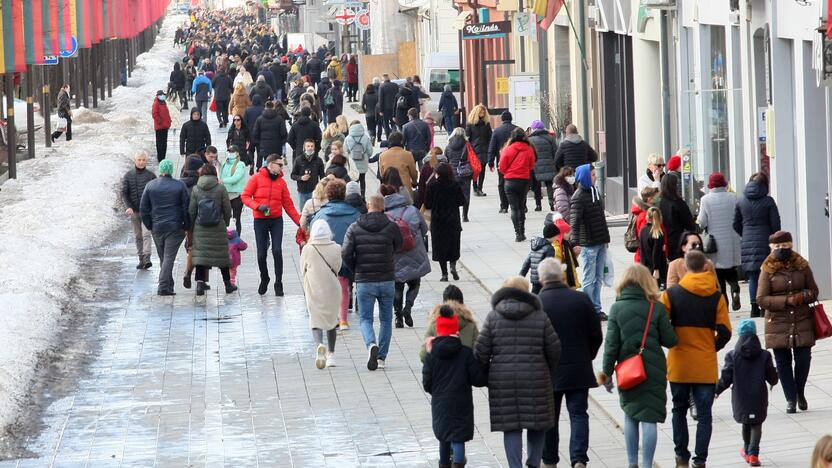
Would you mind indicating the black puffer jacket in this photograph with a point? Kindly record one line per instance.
(746, 367)
(323, 87)
(303, 129)
(457, 154)
(519, 344)
(369, 248)
(133, 185)
(755, 218)
(587, 219)
(164, 205)
(540, 249)
(545, 147)
(480, 136)
(223, 86)
(238, 137)
(449, 372)
(195, 135)
(262, 89)
(387, 93)
(676, 219)
(573, 152)
(269, 133)
(369, 103)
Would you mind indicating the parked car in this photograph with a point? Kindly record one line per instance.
(20, 122)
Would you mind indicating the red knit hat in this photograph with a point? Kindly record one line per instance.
(447, 322)
(717, 180)
(674, 163)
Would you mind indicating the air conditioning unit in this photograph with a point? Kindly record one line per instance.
(659, 4)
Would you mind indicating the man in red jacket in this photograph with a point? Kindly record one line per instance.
(161, 123)
(267, 194)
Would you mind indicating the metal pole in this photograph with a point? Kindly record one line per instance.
(75, 76)
(11, 130)
(30, 112)
(543, 55)
(581, 13)
(46, 110)
(108, 53)
(664, 44)
(92, 63)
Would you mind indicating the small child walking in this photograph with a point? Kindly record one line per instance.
(541, 247)
(235, 246)
(651, 241)
(747, 369)
(448, 374)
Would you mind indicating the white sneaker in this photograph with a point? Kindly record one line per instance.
(372, 359)
(380, 363)
(330, 359)
(320, 356)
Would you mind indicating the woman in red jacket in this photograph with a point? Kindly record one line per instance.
(161, 123)
(516, 163)
(267, 195)
(352, 79)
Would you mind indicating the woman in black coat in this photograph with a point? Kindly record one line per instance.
(338, 95)
(478, 131)
(177, 77)
(756, 217)
(369, 105)
(444, 197)
(239, 136)
(676, 216)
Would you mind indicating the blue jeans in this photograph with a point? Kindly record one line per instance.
(448, 120)
(265, 228)
(367, 294)
(592, 260)
(513, 443)
(753, 278)
(445, 452)
(703, 398)
(302, 197)
(577, 405)
(648, 444)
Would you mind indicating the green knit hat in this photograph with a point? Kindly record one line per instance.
(166, 167)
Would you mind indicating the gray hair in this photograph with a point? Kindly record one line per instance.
(459, 131)
(655, 159)
(447, 87)
(550, 270)
(376, 80)
(140, 153)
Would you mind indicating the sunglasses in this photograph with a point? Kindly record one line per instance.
(237, 119)
(696, 246)
(659, 165)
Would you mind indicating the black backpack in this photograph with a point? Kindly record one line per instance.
(207, 213)
(631, 236)
(401, 103)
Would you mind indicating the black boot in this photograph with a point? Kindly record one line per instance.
(408, 318)
(454, 274)
(146, 263)
(264, 286)
(278, 288)
(538, 207)
(229, 288)
(802, 404)
(399, 323)
(790, 407)
(186, 281)
(200, 288)
(755, 311)
(140, 265)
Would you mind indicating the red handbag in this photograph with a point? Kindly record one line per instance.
(630, 372)
(474, 161)
(823, 329)
(213, 106)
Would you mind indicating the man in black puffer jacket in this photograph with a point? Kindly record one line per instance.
(269, 134)
(368, 251)
(132, 187)
(223, 86)
(574, 151)
(387, 93)
(499, 138)
(544, 167)
(195, 135)
(313, 69)
(304, 129)
(590, 233)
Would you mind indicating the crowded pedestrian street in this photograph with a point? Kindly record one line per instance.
(341, 266)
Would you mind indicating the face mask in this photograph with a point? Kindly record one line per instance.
(309, 152)
(783, 254)
(570, 180)
(162, 97)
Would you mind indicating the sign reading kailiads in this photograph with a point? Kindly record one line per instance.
(486, 30)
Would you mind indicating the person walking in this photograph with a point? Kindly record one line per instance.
(456, 154)
(369, 105)
(448, 374)
(307, 170)
(368, 251)
(359, 148)
(468, 330)
(210, 212)
(195, 135)
(676, 215)
(478, 131)
(402, 160)
(261, 88)
(64, 112)
(448, 106)
(269, 134)
(201, 89)
(303, 129)
(387, 94)
(412, 263)
(716, 216)
(787, 287)
(517, 316)
(499, 139)
(589, 233)
(748, 368)
(164, 210)
(638, 325)
(233, 176)
(330, 135)
(161, 123)
(223, 87)
(333, 102)
(177, 79)
(540, 249)
(699, 315)
(239, 137)
(755, 219)
(406, 99)
(320, 261)
(239, 101)
(579, 330)
(417, 136)
(564, 184)
(652, 248)
(352, 78)
(267, 194)
(574, 151)
(132, 187)
(443, 198)
(545, 148)
(516, 166)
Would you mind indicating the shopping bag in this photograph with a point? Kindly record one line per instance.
(213, 106)
(61, 125)
(609, 273)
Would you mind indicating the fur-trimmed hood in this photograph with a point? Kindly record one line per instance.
(772, 264)
(514, 304)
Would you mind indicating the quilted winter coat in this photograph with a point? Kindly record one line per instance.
(628, 316)
(540, 250)
(716, 214)
(545, 147)
(210, 243)
(414, 263)
(521, 348)
(755, 218)
(787, 326)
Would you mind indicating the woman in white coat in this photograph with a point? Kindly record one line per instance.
(320, 262)
(716, 215)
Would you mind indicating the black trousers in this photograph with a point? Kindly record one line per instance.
(222, 112)
(478, 183)
(409, 298)
(501, 189)
(516, 190)
(362, 182)
(537, 188)
(727, 276)
(371, 126)
(68, 130)
(388, 122)
(236, 212)
(201, 273)
(161, 144)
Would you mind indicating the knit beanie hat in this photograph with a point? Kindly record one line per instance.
(550, 231)
(166, 167)
(537, 125)
(674, 163)
(717, 180)
(748, 327)
(447, 322)
(353, 187)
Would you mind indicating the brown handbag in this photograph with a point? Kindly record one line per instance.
(630, 372)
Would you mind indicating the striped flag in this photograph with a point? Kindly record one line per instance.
(552, 9)
(14, 58)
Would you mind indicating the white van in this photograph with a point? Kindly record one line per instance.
(440, 69)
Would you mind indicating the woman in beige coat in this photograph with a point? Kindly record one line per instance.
(239, 101)
(320, 262)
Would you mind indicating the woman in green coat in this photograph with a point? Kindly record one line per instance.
(647, 402)
(210, 212)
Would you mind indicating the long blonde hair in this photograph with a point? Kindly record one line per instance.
(822, 455)
(319, 193)
(343, 126)
(654, 217)
(516, 282)
(639, 275)
(474, 116)
(331, 131)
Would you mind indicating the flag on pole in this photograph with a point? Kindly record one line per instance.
(33, 31)
(14, 58)
(552, 9)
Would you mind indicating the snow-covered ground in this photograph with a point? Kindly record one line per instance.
(64, 202)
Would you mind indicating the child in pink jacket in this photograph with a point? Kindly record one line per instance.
(235, 246)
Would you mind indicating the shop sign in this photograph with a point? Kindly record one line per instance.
(413, 3)
(362, 20)
(502, 85)
(486, 30)
(346, 17)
